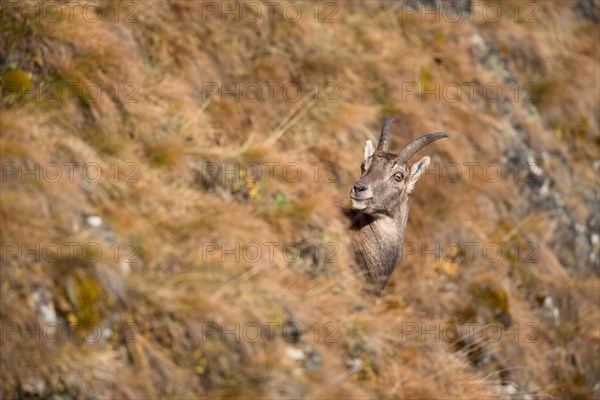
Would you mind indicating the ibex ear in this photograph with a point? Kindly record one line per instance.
(369, 150)
(416, 171)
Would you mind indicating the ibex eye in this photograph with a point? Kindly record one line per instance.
(399, 176)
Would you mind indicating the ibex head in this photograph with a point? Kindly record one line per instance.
(386, 180)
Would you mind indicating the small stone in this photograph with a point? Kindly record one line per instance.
(355, 365)
(93, 221)
(124, 267)
(312, 360)
(107, 333)
(34, 387)
(510, 389)
(44, 305)
(548, 302)
(295, 354)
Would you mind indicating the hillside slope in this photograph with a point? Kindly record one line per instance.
(172, 173)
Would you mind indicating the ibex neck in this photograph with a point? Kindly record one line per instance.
(378, 242)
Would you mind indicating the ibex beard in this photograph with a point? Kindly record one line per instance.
(380, 205)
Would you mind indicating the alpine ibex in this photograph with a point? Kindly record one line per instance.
(380, 205)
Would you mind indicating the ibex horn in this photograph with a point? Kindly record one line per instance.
(407, 152)
(384, 138)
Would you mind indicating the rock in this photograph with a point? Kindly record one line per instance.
(33, 387)
(312, 360)
(93, 221)
(554, 311)
(588, 10)
(354, 365)
(43, 304)
(295, 353)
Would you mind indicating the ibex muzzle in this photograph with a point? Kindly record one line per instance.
(380, 204)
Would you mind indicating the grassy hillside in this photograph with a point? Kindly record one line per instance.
(172, 175)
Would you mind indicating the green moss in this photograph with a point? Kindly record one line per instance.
(253, 154)
(440, 39)
(84, 293)
(277, 314)
(579, 378)
(426, 76)
(281, 200)
(88, 296)
(394, 304)
(15, 82)
(369, 370)
(566, 331)
(163, 154)
(467, 314)
(495, 300)
(12, 148)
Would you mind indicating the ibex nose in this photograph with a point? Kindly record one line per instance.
(359, 188)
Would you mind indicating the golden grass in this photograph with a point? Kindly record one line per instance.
(152, 134)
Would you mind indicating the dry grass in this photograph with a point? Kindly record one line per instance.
(154, 138)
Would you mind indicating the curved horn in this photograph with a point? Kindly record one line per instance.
(384, 137)
(410, 149)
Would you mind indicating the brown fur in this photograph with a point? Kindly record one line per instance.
(377, 228)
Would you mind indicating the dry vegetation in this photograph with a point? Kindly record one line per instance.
(154, 138)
